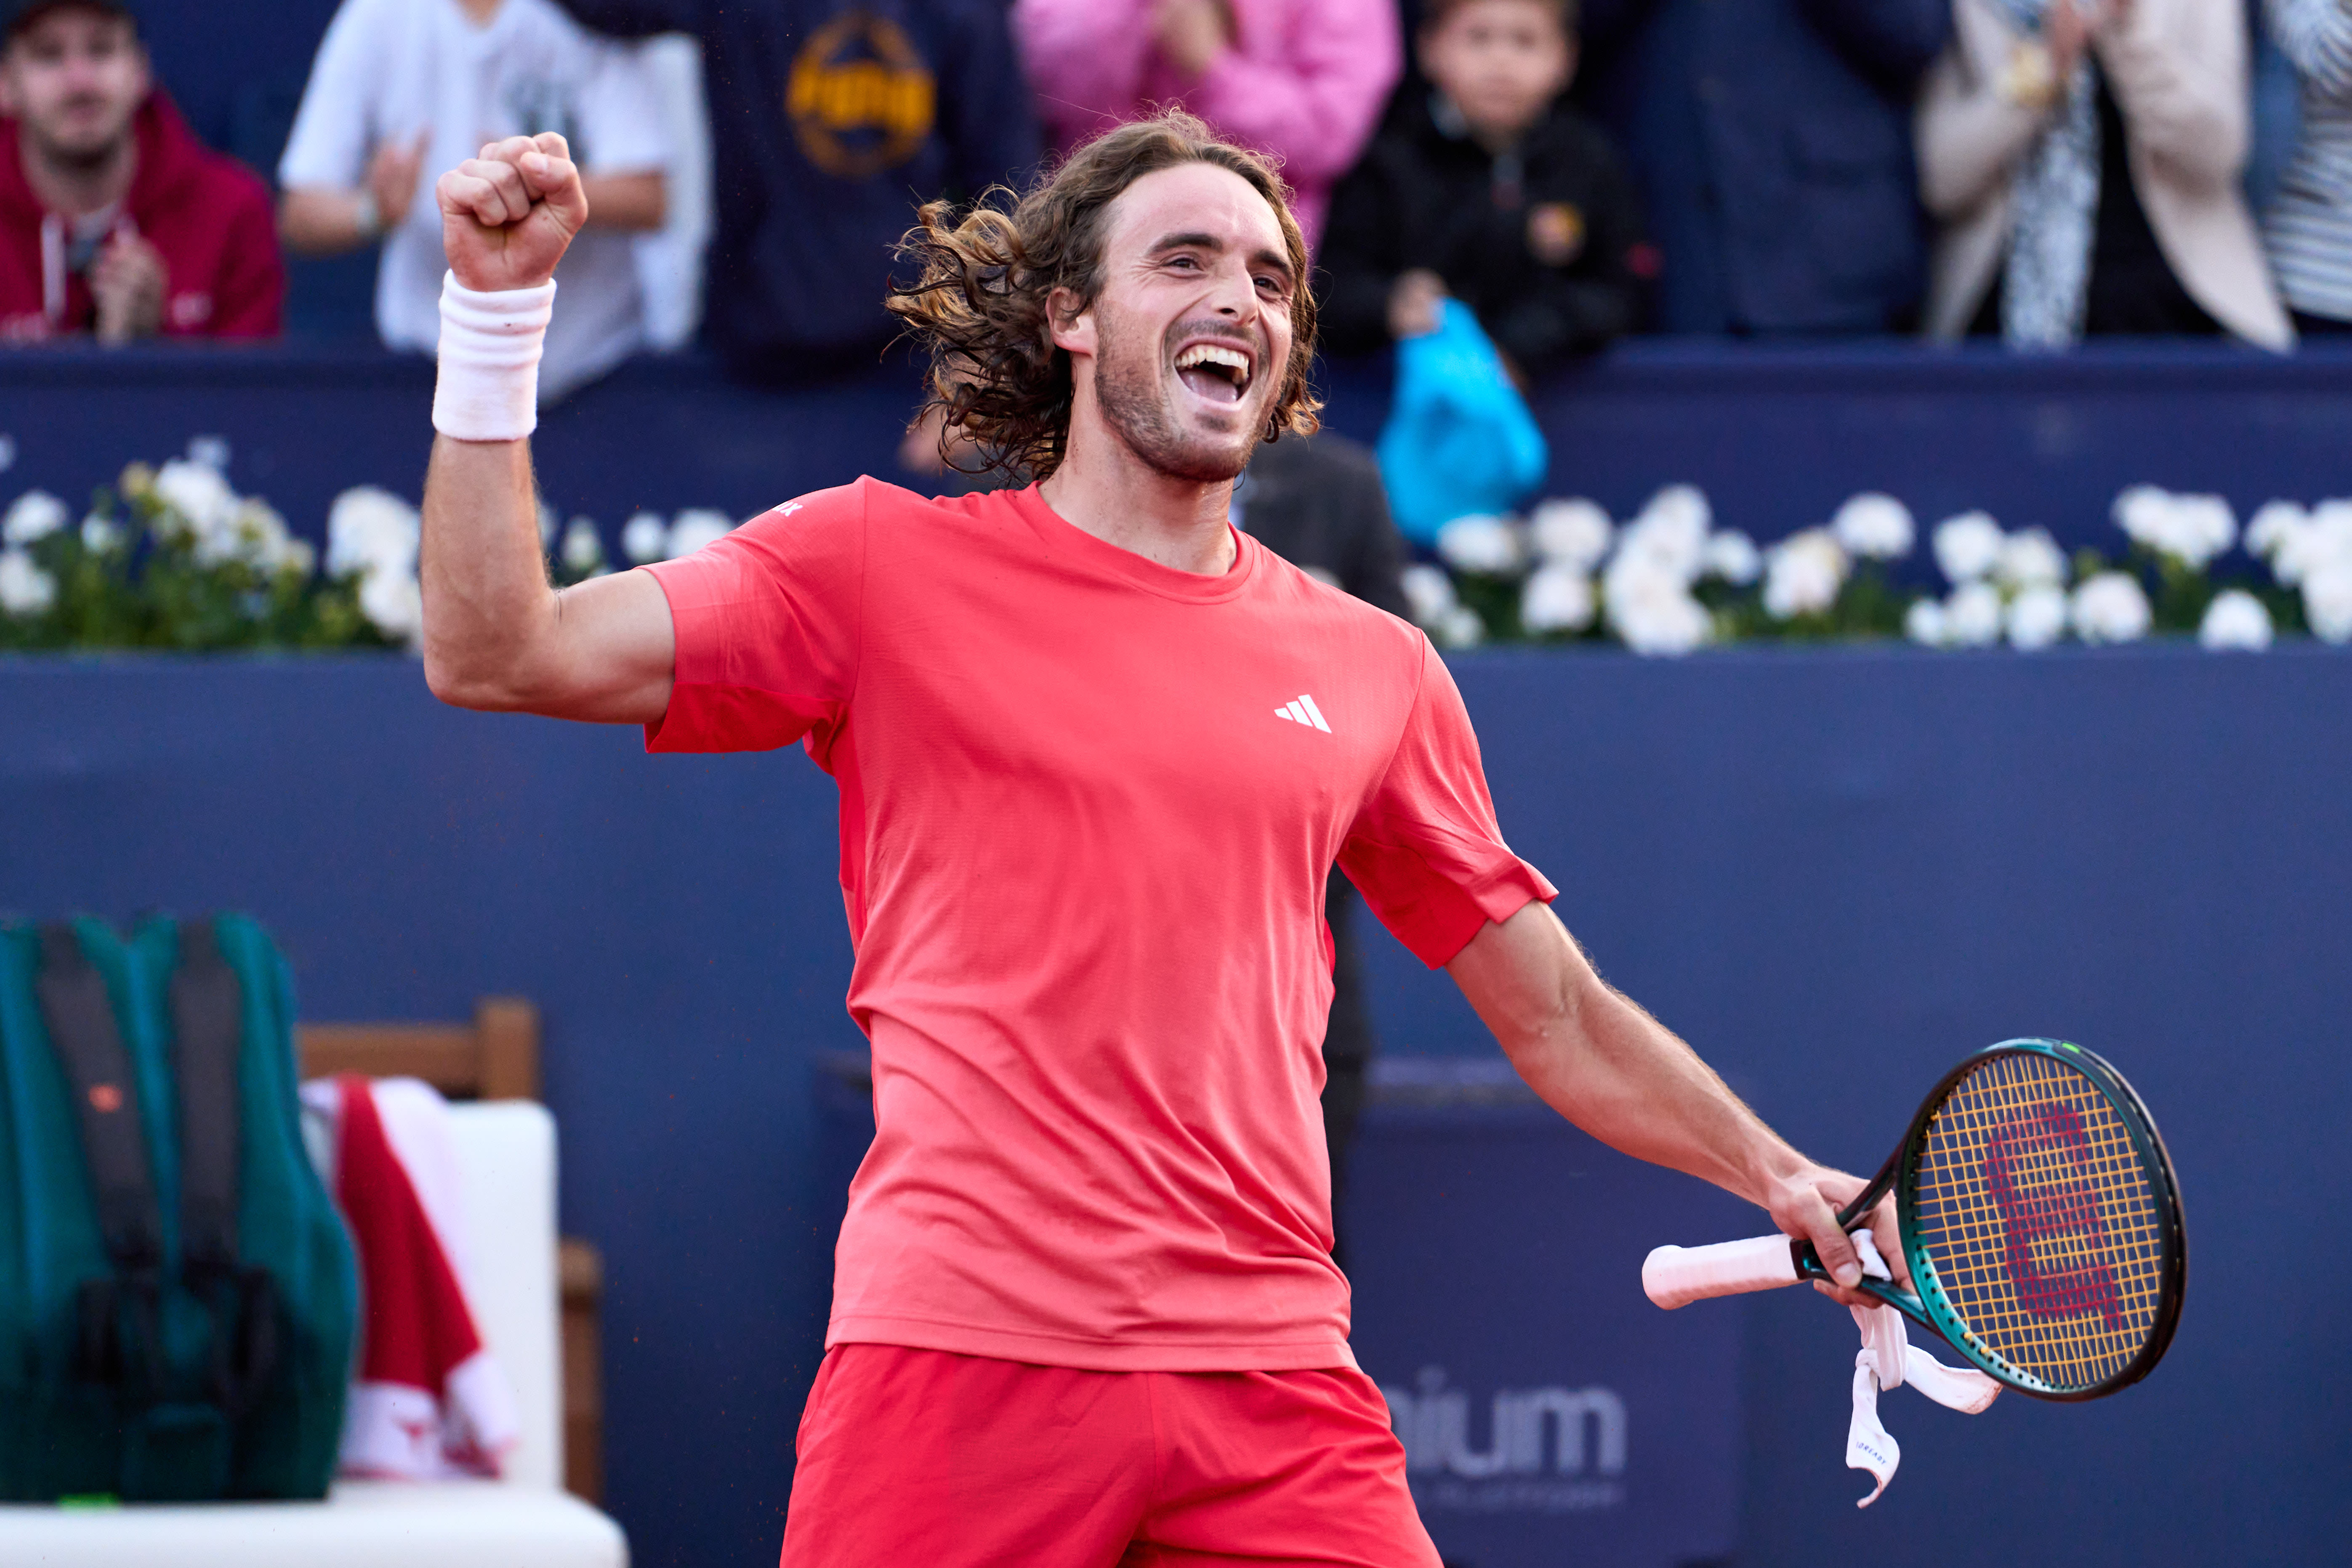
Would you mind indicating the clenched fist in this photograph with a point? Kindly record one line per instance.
(508, 216)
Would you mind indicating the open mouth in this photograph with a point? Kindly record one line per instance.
(1214, 373)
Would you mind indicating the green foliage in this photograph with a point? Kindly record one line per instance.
(138, 573)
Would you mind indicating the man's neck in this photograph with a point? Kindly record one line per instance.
(481, 13)
(79, 188)
(1105, 489)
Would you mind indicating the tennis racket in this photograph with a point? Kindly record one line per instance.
(2039, 1215)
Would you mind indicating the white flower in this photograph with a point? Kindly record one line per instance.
(198, 494)
(25, 589)
(2235, 620)
(1487, 545)
(584, 551)
(35, 516)
(1967, 547)
(1556, 598)
(210, 452)
(1802, 575)
(2273, 525)
(1732, 557)
(1972, 616)
(370, 530)
(1876, 526)
(2030, 558)
(548, 523)
(696, 527)
(644, 538)
(1671, 532)
(102, 535)
(2111, 607)
(257, 536)
(1573, 532)
(1428, 591)
(2322, 542)
(7, 453)
(392, 601)
(1924, 623)
(1678, 506)
(1460, 626)
(2327, 603)
(267, 542)
(2037, 616)
(1650, 605)
(2189, 529)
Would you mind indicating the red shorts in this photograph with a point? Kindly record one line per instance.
(914, 1458)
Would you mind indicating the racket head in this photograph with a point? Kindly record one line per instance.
(2042, 1220)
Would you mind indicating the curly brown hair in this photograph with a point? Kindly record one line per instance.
(979, 300)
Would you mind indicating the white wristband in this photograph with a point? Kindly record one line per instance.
(487, 389)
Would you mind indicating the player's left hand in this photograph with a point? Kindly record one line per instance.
(1806, 1206)
(508, 217)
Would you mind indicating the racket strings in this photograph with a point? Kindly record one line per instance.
(2039, 1222)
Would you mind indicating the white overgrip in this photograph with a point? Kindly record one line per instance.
(1672, 1276)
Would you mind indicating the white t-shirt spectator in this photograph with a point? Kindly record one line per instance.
(390, 70)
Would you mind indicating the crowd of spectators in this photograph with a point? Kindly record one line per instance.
(2034, 171)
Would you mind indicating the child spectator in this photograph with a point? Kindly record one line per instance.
(405, 90)
(113, 220)
(1492, 191)
(1302, 81)
(831, 121)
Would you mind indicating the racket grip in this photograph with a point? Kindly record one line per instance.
(1673, 1275)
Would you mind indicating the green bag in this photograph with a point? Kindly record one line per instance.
(178, 1297)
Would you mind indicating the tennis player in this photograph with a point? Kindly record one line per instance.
(1096, 752)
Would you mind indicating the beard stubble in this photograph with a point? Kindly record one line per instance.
(1129, 389)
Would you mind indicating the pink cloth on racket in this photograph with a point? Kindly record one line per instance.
(911, 1456)
(1083, 852)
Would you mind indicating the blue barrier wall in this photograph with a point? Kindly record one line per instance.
(1778, 436)
(1835, 872)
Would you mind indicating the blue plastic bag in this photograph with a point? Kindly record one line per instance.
(1459, 440)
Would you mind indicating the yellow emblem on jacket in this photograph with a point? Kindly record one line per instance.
(860, 99)
(1555, 233)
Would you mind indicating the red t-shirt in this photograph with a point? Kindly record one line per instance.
(1087, 804)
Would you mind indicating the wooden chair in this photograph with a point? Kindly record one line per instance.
(496, 1056)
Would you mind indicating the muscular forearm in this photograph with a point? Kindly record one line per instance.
(487, 602)
(498, 637)
(1610, 1067)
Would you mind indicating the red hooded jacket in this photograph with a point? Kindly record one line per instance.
(209, 215)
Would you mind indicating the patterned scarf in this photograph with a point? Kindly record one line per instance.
(2055, 204)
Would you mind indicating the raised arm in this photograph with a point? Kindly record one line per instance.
(1618, 1073)
(496, 634)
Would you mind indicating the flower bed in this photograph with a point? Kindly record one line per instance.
(172, 557)
(1668, 581)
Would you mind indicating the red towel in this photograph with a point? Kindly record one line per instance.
(428, 1400)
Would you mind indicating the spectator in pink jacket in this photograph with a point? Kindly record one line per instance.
(1301, 79)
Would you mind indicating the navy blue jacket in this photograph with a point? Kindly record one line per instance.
(830, 120)
(1771, 139)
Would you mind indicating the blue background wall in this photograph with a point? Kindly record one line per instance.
(1834, 871)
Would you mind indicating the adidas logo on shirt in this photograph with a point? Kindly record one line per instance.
(1301, 710)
